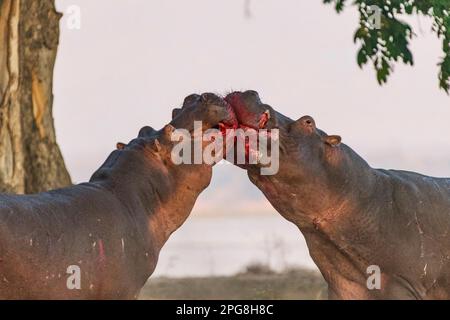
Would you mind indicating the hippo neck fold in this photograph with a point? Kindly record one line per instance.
(329, 208)
(345, 184)
(143, 185)
(348, 188)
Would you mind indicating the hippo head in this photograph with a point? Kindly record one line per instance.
(157, 145)
(207, 109)
(306, 154)
(143, 172)
(148, 162)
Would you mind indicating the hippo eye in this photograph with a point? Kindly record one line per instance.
(306, 122)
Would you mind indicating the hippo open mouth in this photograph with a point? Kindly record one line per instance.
(246, 118)
(232, 122)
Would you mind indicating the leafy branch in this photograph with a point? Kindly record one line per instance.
(388, 42)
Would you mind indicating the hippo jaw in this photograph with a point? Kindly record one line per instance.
(256, 122)
(212, 110)
(247, 108)
(209, 109)
(306, 153)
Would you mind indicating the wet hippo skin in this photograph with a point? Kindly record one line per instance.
(112, 227)
(353, 216)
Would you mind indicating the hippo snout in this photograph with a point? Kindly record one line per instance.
(217, 112)
(249, 110)
(211, 98)
(191, 100)
(209, 108)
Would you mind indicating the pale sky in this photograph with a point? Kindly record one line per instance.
(133, 61)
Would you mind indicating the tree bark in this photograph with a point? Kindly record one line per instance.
(30, 159)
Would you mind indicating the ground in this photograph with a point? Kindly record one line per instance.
(255, 283)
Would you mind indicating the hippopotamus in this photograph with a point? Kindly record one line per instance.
(110, 229)
(355, 219)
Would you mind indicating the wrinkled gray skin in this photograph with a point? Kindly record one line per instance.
(112, 227)
(353, 216)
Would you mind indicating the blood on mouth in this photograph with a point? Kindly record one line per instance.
(245, 119)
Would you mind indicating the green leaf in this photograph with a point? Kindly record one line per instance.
(390, 43)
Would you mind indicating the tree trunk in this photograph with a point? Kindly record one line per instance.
(30, 159)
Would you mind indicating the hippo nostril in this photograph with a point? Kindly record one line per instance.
(193, 98)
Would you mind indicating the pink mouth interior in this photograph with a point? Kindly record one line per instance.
(245, 117)
(242, 118)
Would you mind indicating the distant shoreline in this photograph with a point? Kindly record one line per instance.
(256, 283)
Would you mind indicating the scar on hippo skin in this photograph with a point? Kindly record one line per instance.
(120, 145)
(101, 253)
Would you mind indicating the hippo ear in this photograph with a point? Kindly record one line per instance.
(145, 131)
(120, 145)
(175, 112)
(156, 146)
(333, 140)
